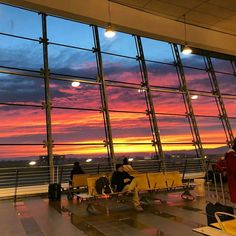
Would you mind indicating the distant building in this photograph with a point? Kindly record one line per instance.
(57, 160)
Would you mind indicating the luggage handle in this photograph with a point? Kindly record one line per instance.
(222, 187)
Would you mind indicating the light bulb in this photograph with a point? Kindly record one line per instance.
(187, 50)
(194, 97)
(75, 84)
(109, 32)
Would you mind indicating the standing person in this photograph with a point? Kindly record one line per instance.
(77, 170)
(230, 158)
(126, 183)
(126, 166)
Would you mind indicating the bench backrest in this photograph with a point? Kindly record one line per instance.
(173, 179)
(91, 185)
(157, 180)
(80, 180)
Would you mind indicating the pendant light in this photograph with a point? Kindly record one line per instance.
(109, 31)
(186, 49)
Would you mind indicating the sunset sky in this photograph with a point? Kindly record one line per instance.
(26, 125)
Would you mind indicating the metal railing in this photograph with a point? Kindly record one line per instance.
(20, 181)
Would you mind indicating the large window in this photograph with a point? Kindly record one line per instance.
(122, 100)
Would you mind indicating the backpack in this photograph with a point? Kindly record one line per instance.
(102, 185)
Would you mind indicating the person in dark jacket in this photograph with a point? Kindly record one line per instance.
(126, 183)
(77, 170)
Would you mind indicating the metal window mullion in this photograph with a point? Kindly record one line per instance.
(183, 90)
(219, 101)
(233, 63)
(187, 99)
(103, 92)
(141, 69)
(45, 71)
(148, 96)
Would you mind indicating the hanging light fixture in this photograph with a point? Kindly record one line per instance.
(186, 49)
(109, 31)
(75, 84)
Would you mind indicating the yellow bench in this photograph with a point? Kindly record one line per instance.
(157, 181)
(80, 180)
(173, 179)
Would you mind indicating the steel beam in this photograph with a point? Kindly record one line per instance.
(149, 101)
(47, 105)
(219, 101)
(105, 111)
(188, 105)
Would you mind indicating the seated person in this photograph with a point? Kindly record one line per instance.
(126, 183)
(77, 170)
(126, 166)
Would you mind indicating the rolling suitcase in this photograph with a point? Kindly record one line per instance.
(212, 208)
(54, 192)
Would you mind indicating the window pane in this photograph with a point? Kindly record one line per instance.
(84, 96)
(20, 22)
(197, 80)
(215, 150)
(121, 44)
(192, 60)
(222, 65)
(22, 124)
(21, 153)
(155, 50)
(19, 89)
(59, 31)
(121, 69)
(130, 128)
(174, 129)
(126, 99)
(162, 75)
(204, 105)
(233, 125)
(73, 152)
(227, 83)
(20, 53)
(75, 62)
(70, 126)
(171, 103)
(210, 129)
(136, 151)
(230, 105)
(181, 150)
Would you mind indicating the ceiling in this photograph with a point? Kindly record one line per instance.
(219, 15)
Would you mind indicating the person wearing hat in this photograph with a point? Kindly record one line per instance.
(230, 158)
(124, 182)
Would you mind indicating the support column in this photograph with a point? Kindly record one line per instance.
(103, 92)
(188, 105)
(219, 101)
(47, 104)
(148, 96)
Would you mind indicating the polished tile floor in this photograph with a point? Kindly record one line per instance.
(35, 216)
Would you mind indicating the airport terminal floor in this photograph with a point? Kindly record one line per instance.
(36, 216)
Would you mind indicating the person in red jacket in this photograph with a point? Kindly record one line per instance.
(230, 158)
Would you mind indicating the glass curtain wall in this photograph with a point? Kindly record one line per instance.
(183, 90)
